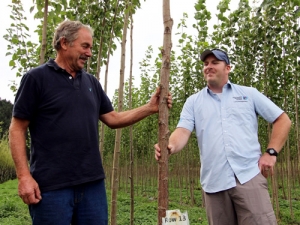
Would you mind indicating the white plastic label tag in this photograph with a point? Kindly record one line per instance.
(175, 217)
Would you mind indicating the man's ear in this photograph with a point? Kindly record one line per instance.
(63, 43)
(228, 67)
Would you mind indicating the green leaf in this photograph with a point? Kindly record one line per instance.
(12, 63)
(31, 9)
(15, 56)
(14, 40)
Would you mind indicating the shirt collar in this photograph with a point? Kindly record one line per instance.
(227, 85)
(53, 64)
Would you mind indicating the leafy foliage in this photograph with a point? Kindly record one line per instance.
(21, 50)
(5, 116)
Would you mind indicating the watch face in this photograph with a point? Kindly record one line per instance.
(272, 152)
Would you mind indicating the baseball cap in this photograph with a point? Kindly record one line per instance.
(218, 53)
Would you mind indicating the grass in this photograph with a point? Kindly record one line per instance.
(14, 211)
(146, 208)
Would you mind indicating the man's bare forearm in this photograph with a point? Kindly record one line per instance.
(280, 131)
(17, 143)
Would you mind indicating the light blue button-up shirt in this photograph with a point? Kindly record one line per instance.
(226, 129)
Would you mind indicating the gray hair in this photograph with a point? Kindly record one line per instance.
(68, 30)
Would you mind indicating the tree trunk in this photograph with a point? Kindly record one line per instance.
(99, 56)
(131, 127)
(114, 193)
(106, 76)
(44, 35)
(163, 194)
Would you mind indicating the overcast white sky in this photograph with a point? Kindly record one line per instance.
(148, 30)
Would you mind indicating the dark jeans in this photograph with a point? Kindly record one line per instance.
(84, 204)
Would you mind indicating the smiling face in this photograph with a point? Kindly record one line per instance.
(215, 73)
(80, 49)
(74, 55)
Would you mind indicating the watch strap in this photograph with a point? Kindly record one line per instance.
(272, 152)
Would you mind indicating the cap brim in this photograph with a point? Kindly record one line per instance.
(205, 54)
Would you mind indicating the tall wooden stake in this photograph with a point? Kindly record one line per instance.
(163, 195)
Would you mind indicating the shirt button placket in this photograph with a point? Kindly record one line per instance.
(225, 128)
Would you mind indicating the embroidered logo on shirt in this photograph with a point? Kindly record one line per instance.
(241, 98)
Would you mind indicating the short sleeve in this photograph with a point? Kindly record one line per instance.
(265, 107)
(26, 98)
(187, 117)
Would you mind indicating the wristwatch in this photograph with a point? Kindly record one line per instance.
(272, 151)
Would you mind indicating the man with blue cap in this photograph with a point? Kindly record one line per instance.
(233, 167)
(219, 54)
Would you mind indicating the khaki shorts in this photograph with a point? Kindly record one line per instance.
(247, 204)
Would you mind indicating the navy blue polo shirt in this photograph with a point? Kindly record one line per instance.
(63, 114)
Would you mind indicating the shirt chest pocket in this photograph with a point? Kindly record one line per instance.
(240, 116)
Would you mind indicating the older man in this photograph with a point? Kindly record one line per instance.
(61, 104)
